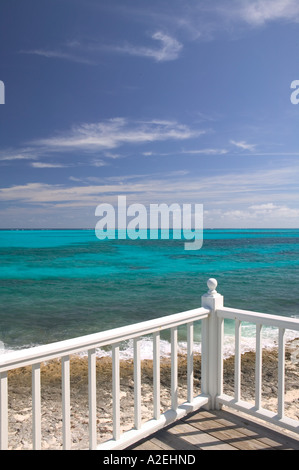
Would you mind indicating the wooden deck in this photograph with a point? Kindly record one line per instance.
(218, 430)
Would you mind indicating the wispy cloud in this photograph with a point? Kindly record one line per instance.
(115, 133)
(201, 20)
(21, 154)
(47, 165)
(253, 189)
(97, 142)
(207, 151)
(98, 163)
(243, 145)
(169, 49)
(206, 20)
(88, 52)
(60, 54)
(259, 12)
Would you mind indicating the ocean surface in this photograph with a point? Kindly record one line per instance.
(60, 284)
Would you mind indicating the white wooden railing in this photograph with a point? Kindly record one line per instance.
(211, 315)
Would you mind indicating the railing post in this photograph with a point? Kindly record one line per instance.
(212, 339)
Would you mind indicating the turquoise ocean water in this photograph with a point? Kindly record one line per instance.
(59, 284)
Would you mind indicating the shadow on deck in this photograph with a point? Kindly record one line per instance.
(218, 430)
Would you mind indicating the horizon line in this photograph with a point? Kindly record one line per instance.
(157, 228)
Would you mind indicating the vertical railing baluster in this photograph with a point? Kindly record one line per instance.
(116, 392)
(281, 372)
(237, 360)
(66, 405)
(174, 368)
(3, 411)
(220, 355)
(258, 367)
(137, 384)
(190, 375)
(36, 407)
(156, 374)
(92, 398)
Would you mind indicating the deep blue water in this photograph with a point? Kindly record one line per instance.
(58, 284)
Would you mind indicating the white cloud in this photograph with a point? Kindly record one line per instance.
(275, 211)
(169, 50)
(59, 54)
(116, 132)
(243, 145)
(47, 165)
(230, 200)
(21, 154)
(259, 12)
(98, 141)
(251, 189)
(207, 151)
(197, 20)
(270, 216)
(88, 53)
(98, 163)
(205, 20)
(263, 207)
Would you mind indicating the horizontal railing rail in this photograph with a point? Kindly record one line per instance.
(266, 319)
(47, 352)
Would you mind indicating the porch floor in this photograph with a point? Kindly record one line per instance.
(218, 430)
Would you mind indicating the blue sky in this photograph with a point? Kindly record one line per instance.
(164, 101)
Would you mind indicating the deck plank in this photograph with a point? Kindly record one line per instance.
(217, 430)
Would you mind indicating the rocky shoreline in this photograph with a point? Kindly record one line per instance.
(20, 408)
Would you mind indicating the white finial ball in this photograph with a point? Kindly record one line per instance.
(212, 284)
